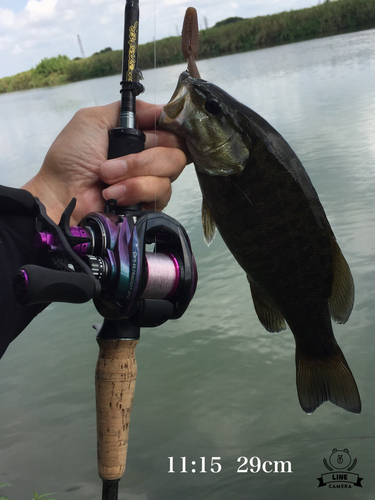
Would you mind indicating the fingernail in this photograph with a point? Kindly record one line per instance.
(152, 140)
(114, 169)
(114, 192)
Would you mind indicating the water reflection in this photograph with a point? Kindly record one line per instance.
(214, 383)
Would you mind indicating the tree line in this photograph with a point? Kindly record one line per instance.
(230, 36)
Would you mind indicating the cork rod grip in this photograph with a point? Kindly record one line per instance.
(115, 377)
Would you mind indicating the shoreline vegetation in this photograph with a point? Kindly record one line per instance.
(230, 36)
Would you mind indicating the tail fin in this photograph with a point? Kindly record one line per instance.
(326, 379)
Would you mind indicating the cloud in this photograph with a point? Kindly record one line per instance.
(69, 15)
(5, 41)
(31, 30)
(7, 18)
(17, 50)
(175, 2)
(105, 20)
(41, 10)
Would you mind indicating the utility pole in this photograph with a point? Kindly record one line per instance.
(81, 47)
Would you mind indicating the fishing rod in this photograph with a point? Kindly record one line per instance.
(126, 138)
(105, 258)
(116, 369)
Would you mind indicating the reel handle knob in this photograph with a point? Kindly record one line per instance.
(36, 285)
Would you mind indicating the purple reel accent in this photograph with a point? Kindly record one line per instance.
(194, 278)
(177, 274)
(82, 248)
(44, 241)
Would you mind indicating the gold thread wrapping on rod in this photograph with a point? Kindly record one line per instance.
(132, 51)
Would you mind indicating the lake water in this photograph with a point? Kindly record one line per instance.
(214, 383)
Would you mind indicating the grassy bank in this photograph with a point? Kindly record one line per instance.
(46, 496)
(227, 37)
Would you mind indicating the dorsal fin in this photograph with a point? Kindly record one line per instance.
(342, 294)
(270, 317)
(208, 223)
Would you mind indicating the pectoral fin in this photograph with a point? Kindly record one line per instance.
(342, 295)
(208, 223)
(270, 317)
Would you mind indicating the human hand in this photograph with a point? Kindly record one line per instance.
(76, 164)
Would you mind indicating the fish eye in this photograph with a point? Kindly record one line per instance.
(212, 106)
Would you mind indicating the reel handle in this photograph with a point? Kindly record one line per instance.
(115, 377)
(37, 285)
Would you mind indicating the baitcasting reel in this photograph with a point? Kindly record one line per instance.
(109, 258)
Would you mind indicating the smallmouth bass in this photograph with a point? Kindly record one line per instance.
(257, 193)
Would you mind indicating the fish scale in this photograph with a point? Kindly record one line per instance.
(258, 195)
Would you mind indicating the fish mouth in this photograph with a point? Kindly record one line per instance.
(175, 112)
(174, 108)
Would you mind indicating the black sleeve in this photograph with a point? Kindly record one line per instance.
(17, 230)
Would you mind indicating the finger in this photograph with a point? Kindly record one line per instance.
(108, 115)
(164, 138)
(155, 192)
(147, 114)
(105, 117)
(159, 162)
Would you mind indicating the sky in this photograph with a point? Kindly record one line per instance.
(31, 30)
